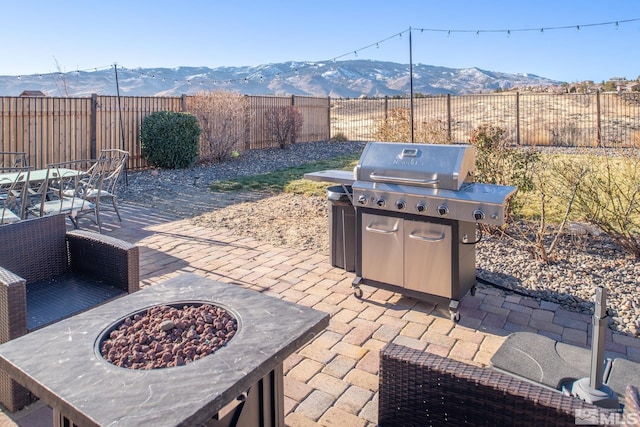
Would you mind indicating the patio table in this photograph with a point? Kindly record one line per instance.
(62, 365)
(38, 175)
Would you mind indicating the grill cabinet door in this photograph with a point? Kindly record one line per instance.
(427, 264)
(382, 249)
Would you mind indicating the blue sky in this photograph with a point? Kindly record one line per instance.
(48, 36)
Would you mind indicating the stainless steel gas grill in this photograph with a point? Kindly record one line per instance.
(416, 211)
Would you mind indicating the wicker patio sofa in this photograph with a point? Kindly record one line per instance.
(418, 388)
(48, 273)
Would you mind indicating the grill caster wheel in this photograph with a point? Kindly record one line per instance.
(472, 291)
(453, 311)
(357, 292)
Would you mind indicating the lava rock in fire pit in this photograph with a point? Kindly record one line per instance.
(165, 336)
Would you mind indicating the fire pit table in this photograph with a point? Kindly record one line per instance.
(240, 383)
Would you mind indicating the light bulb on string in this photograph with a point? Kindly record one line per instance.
(578, 27)
(478, 33)
(508, 33)
(449, 33)
(355, 53)
(617, 26)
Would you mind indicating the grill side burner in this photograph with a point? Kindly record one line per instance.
(417, 209)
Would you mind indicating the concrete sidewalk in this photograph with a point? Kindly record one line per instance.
(334, 379)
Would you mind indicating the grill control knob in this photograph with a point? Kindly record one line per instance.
(400, 204)
(362, 200)
(421, 207)
(478, 215)
(443, 210)
(381, 202)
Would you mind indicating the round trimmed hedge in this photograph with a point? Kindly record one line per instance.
(170, 139)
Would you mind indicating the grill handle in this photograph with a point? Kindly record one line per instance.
(380, 231)
(439, 238)
(410, 181)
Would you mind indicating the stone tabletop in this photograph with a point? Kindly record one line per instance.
(61, 363)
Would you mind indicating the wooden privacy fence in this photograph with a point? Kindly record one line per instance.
(590, 120)
(52, 130)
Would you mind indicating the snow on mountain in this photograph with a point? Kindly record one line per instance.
(346, 79)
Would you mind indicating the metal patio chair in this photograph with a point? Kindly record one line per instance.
(65, 188)
(12, 160)
(13, 195)
(116, 161)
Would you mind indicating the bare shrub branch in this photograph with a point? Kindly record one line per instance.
(283, 124)
(396, 127)
(221, 117)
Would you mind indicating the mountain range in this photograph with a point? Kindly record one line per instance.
(341, 79)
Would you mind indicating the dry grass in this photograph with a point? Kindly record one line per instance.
(543, 119)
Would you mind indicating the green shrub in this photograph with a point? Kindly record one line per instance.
(498, 163)
(169, 139)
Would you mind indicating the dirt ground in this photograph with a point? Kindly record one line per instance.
(287, 220)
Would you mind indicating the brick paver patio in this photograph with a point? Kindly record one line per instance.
(333, 380)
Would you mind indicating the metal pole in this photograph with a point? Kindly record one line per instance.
(592, 389)
(599, 323)
(411, 84)
(115, 68)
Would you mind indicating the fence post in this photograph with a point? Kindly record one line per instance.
(449, 117)
(329, 118)
(93, 150)
(598, 120)
(247, 123)
(518, 118)
(386, 107)
(184, 102)
(293, 131)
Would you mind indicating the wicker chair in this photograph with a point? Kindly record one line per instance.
(423, 389)
(48, 273)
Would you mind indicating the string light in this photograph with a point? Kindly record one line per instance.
(355, 52)
(540, 29)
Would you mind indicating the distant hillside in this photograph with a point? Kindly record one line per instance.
(342, 79)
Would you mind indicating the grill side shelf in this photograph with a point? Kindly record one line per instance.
(332, 175)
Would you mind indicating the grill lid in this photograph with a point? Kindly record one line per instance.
(444, 166)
